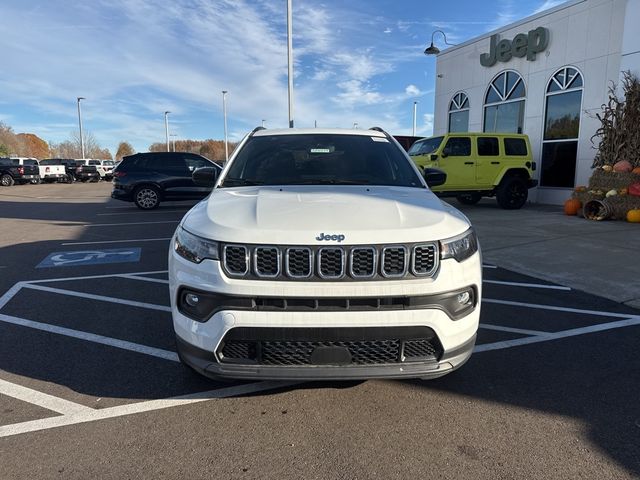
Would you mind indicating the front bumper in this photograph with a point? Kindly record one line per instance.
(205, 363)
(200, 342)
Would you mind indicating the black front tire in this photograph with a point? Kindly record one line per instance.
(147, 197)
(469, 198)
(512, 193)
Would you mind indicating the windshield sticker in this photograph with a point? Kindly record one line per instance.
(320, 150)
(379, 139)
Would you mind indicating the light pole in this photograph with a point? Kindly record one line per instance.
(224, 115)
(290, 59)
(80, 123)
(263, 120)
(173, 140)
(415, 112)
(166, 127)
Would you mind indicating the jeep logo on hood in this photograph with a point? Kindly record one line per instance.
(328, 238)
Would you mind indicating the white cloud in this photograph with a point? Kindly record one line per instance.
(412, 91)
(548, 4)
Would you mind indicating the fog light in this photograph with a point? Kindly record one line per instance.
(464, 298)
(192, 299)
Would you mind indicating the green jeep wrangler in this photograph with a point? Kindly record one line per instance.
(480, 165)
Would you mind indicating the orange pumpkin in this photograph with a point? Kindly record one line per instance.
(571, 206)
(633, 216)
(636, 171)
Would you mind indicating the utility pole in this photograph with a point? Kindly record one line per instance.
(224, 114)
(166, 127)
(290, 58)
(80, 123)
(415, 112)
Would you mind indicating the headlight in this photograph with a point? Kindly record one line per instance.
(193, 248)
(460, 247)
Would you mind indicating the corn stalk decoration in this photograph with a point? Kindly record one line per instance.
(619, 131)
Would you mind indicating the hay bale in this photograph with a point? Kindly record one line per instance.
(609, 180)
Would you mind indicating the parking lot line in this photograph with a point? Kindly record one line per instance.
(102, 298)
(91, 337)
(146, 279)
(43, 400)
(559, 309)
(140, 407)
(86, 277)
(528, 285)
(121, 224)
(500, 328)
(557, 335)
(118, 241)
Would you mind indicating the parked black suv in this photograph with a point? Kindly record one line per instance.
(149, 178)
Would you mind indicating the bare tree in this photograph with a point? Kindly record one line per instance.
(124, 149)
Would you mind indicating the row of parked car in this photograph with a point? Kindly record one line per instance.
(20, 170)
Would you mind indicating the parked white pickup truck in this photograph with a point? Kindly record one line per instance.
(104, 168)
(51, 172)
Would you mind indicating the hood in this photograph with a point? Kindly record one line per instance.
(297, 215)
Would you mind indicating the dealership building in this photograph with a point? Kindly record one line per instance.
(547, 76)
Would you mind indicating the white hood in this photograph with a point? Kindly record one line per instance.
(296, 215)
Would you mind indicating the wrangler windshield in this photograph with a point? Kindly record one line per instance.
(426, 146)
(321, 159)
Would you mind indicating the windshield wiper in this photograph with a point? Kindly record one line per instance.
(240, 182)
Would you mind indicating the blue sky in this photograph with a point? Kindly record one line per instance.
(356, 61)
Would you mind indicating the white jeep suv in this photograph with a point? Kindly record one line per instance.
(322, 254)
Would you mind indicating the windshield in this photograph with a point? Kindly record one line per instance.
(426, 146)
(108, 163)
(321, 159)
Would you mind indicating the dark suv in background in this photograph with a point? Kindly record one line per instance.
(149, 178)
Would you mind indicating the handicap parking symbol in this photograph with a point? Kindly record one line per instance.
(91, 257)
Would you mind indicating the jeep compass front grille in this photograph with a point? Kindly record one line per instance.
(316, 263)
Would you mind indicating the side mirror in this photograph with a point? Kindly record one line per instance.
(205, 177)
(433, 157)
(434, 177)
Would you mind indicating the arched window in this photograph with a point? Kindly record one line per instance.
(504, 104)
(563, 100)
(459, 113)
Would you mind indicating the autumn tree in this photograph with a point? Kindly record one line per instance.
(212, 149)
(124, 149)
(71, 148)
(9, 139)
(32, 146)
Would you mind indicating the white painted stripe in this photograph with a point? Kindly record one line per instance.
(9, 294)
(528, 285)
(134, 240)
(500, 328)
(146, 279)
(91, 337)
(557, 335)
(559, 309)
(489, 266)
(133, 408)
(40, 399)
(121, 224)
(89, 277)
(102, 298)
(142, 212)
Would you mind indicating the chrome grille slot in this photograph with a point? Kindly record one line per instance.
(394, 261)
(424, 259)
(236, 259)
(331, 262)
(363, 262)
(267, 262)
(298, 262)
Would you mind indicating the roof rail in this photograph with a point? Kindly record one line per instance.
(257, 129)
(379, 129)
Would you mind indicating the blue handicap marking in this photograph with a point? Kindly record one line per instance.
(91, 257)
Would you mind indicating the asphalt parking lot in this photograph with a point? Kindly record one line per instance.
(90, 383)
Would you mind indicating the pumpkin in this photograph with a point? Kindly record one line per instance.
(633, 216)
(636, 171)
(571, 206)
(634, 189)
(622, 191)
(622, 166)
(607, 168)
(611, 193)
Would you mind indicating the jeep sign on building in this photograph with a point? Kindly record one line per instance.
(547, 76)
